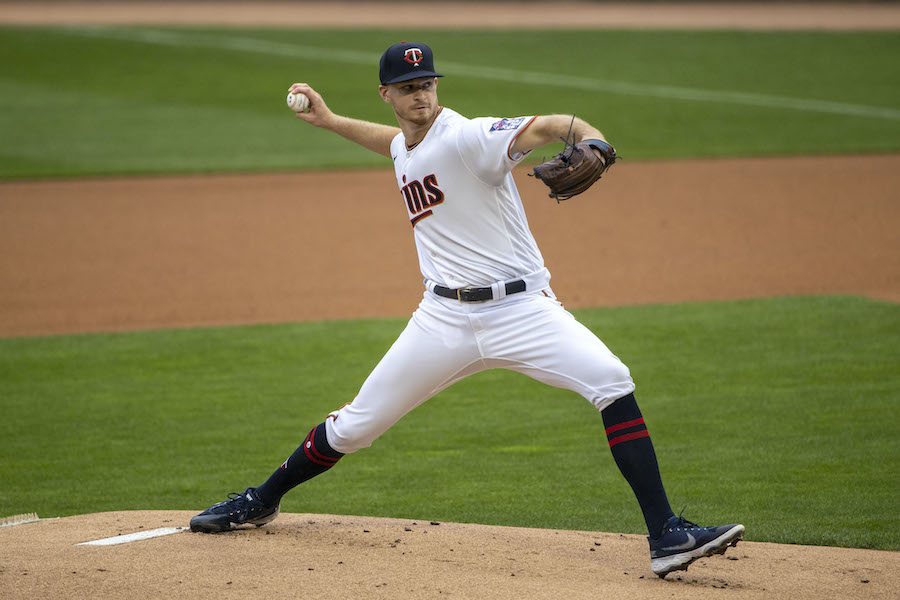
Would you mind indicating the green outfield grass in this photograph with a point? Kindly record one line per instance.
(83, 101)
(779, 413)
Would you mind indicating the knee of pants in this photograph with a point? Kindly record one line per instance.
(348, 432)
(617, 382)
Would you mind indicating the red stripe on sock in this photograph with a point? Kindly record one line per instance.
(628, 437)
(625, 425)
(316, 460)
(319, 458)
(307, 444)
(312, 438)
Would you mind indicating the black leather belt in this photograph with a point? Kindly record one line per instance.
(478, 294)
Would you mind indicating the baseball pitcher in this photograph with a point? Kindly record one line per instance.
(487, 301)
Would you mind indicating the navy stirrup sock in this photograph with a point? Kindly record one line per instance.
(312, 458)
(633, 452)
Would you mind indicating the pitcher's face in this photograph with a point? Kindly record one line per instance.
(414, 100)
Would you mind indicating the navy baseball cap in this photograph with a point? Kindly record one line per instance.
(405, 61)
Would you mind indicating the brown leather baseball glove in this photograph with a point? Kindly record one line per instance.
(576, 168)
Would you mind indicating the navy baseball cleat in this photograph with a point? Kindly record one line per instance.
(683, 542)
(239, 509)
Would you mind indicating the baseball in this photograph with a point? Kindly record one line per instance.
(298, 102)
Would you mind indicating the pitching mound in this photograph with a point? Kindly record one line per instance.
(328, 556)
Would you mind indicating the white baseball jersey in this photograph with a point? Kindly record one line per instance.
(469, 224)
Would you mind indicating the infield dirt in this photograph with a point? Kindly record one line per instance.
(124, 254)
(339, 557)
(139, 253)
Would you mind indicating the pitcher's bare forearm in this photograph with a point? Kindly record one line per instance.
(547, 129)
(373, 136)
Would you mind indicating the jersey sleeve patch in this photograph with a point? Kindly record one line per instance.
(507, 124)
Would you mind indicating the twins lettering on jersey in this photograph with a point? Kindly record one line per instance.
(421, 196)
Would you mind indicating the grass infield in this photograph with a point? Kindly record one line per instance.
(95, 101)
(779, 413)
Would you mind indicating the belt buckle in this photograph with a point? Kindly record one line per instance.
(461, 291)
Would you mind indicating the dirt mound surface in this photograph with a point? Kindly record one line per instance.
(341, 557)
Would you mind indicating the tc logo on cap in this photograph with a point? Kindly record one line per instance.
(413, 56)
(405, 61)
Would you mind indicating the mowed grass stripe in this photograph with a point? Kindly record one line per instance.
(498, 74)
(185, 103)
(777, 413)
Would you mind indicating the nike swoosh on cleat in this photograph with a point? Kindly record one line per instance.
(690, 543)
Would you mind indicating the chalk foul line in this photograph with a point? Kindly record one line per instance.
(19, 519)
(134, 537)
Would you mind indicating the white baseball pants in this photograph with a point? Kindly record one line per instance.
(447, 340)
